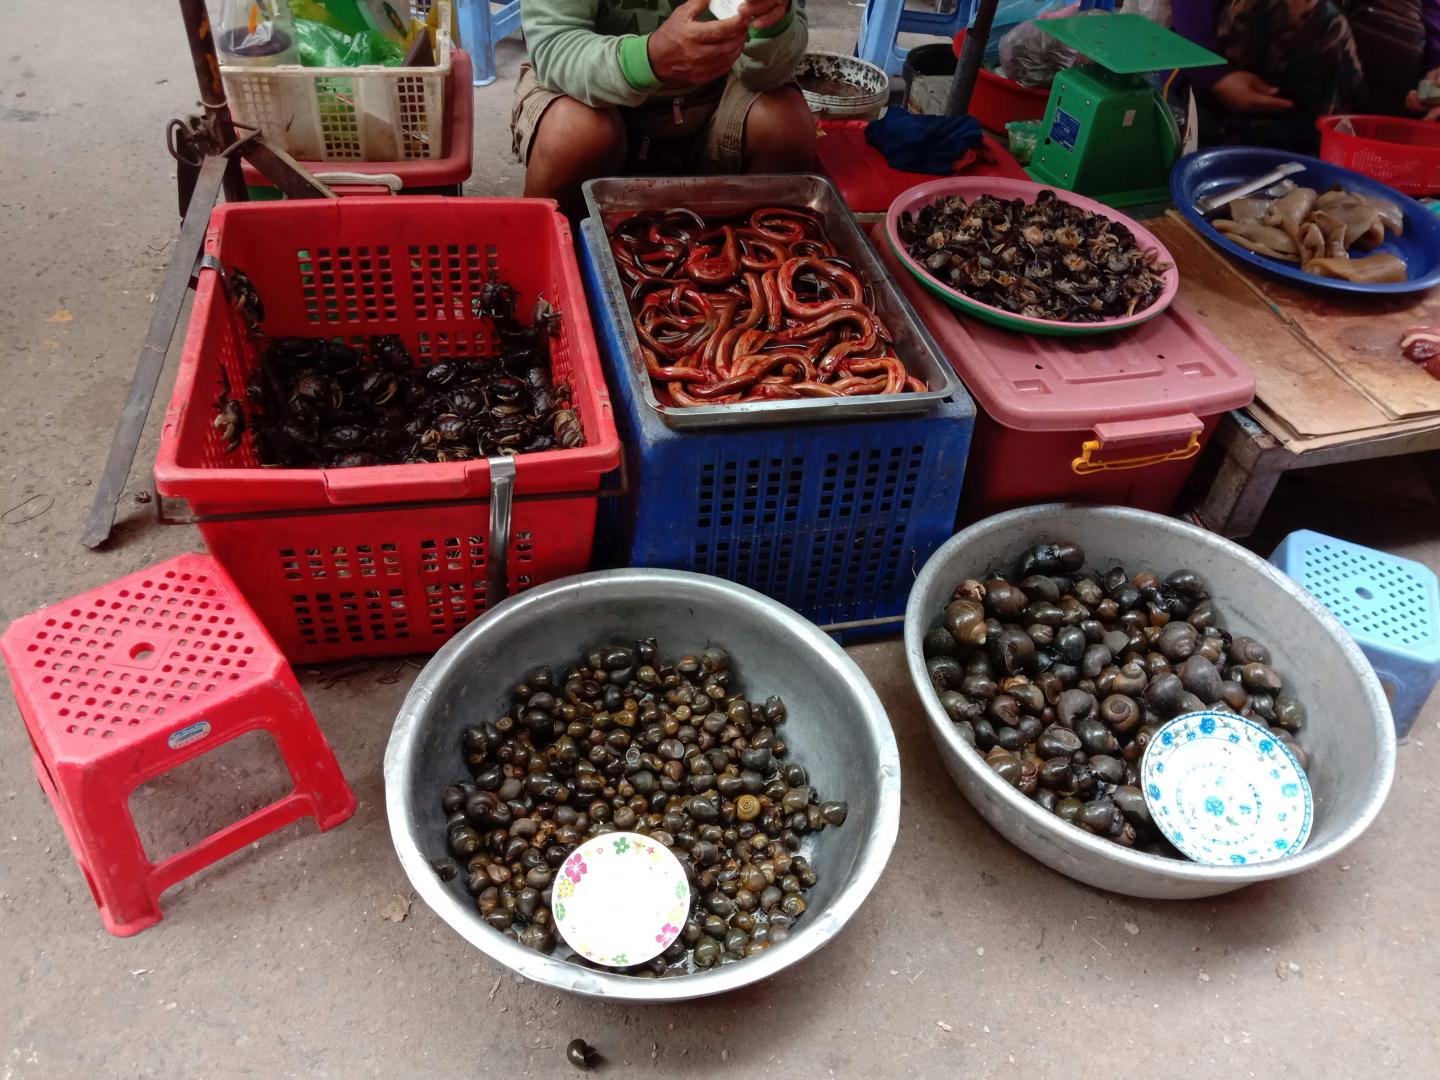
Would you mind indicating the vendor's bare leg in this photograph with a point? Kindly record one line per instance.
(780, 133)
(572, 144)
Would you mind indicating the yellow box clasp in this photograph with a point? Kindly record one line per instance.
(1136, 433)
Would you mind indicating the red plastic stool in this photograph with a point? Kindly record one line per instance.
(126, 682)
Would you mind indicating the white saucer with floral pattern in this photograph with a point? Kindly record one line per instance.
(620, 899)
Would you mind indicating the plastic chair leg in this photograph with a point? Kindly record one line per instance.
(316, 773)
(140, 911)
(878, 27)
(477, 35)
(1411, 693)
(113, 857)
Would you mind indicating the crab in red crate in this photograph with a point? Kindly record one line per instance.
(383, 559)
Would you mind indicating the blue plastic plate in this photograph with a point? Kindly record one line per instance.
(1211, 171)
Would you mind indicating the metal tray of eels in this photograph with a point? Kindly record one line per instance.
(610, 200)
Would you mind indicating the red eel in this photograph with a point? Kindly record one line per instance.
(754, 309)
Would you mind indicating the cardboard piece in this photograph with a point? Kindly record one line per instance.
(1360, 337)
(1357, 337)
(1292, 378)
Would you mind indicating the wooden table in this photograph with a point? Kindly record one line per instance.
(1330, 385)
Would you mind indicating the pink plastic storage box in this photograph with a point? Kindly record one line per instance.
(1111, 418)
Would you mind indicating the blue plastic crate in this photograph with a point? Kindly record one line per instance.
(833, 519)
(1390, 606)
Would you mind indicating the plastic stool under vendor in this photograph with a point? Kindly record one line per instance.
(126, 682)
(1390, 606)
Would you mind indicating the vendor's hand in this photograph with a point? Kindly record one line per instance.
(1414, 104)
(1246, 92)
(766, 13)
(686, 51)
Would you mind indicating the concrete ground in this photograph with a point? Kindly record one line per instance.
(969, 958)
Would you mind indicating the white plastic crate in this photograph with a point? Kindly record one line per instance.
(369, 113)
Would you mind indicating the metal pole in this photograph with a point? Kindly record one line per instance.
(976, 38)
(201, 39)
(163, 316)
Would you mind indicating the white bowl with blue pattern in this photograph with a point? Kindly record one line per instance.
(1225, 791)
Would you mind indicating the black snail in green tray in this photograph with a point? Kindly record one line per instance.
(1046, 259)
(1060, 676)
(625, 741)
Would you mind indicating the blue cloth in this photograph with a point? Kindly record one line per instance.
(923, 144)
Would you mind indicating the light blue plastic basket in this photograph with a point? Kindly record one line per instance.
(1390, 605)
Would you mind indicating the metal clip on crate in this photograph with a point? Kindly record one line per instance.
(502, 492)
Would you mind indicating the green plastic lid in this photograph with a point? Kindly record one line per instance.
(1129, 44)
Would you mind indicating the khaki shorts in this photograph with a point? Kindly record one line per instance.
(703, 130)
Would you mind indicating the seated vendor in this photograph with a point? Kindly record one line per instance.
(1429, 107)
(658, 87)
(1293, 61)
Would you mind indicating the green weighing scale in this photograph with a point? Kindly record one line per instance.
(1107, 133)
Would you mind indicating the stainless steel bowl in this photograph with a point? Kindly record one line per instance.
(1349, 733)
(870, 81)
(836, 727)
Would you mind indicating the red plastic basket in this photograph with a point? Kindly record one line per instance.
(868, 184)
(451, 169)
(349, 573)
(997, 101)
(1402, 153)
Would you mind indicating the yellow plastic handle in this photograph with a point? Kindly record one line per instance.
(1085, 463)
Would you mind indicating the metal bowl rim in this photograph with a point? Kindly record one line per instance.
(860, 67)
(876, 845)
(917, 622)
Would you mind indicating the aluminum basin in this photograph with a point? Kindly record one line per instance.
(1349, 734)
(836, 727)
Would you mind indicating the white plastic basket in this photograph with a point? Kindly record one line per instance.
(369, 113)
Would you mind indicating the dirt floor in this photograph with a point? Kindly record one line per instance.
(969, 958)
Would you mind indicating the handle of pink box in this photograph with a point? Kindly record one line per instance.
(1131, 434)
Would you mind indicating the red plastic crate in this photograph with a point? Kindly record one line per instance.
(454, 165)
(997, 101)
(1402, 153)
(349, 573)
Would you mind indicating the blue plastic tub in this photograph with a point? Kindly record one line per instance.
(834, 519)
(1211, 171)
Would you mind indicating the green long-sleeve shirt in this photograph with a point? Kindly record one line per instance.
(596, 50)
